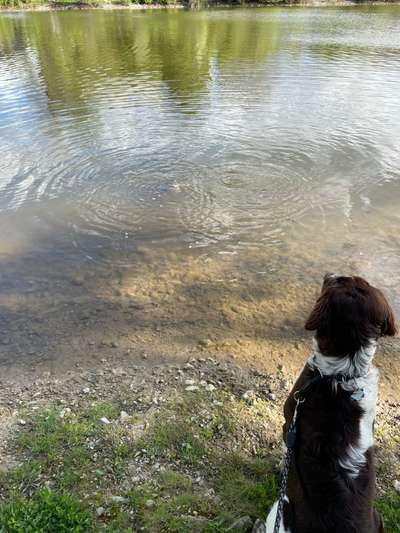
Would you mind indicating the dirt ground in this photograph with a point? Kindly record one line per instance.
(74, 337)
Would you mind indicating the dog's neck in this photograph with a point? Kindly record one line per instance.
(359, 365)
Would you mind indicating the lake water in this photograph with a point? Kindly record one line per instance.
(171, 177)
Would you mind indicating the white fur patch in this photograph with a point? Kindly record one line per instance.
(270, 523)
(362, 375)
(353, 367)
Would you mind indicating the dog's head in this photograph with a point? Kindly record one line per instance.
(348, 314)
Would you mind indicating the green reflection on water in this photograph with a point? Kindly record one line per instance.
(77, 50)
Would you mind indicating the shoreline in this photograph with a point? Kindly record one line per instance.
(80, 6)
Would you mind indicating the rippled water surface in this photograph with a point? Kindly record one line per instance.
(141, 152)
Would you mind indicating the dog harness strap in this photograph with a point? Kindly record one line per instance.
(299, 397)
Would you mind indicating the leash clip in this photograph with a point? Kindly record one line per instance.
(298, 398)
(292, 431)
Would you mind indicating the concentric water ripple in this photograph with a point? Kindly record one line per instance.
(220, 131)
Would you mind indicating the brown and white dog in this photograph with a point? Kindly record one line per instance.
(331, 483)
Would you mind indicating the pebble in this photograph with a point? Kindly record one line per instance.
(249, 396)
(396, 485)
(105, 420)
(22, 422)
(205, 343)
(100, 511)
(86, 390)
(190, 382)
(243, 523)
(124, 417)
(191, 388)
(118, 371)
(119, 499)
(150, 503)
(210, 387)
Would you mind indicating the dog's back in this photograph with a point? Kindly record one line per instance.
(332, 479)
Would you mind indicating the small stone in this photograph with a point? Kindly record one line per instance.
(92, 343)
(124, 417)
(114, 345)
(192, 388)
(210, 387)
(242, 524)
(205, 343)
(22, 422)
(150, 503)
(190, 382)
(105, 420)
(118, 371)
(272, 396)
(65, 412)
(100, 511)
(86, 390)
(396, 485)
(249, 397)
(197, 523)
(119, 499)
(144, 356)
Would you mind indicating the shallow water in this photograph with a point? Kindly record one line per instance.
(192, 162)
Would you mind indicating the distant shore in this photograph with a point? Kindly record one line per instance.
(67, 5)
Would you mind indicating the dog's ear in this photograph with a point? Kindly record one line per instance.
(319, 315)
(388, 325)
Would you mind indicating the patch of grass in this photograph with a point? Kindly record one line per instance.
(24, 479)
(175, 440)
(47, 433)
(75, 451)
(174, 481)
(119, 520)
(47, 512)
(389, 507)
(184, 513)
(187, 430)
(246, 486)
(185, 462)
(101, 410)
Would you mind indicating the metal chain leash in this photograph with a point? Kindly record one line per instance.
(290, 442)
